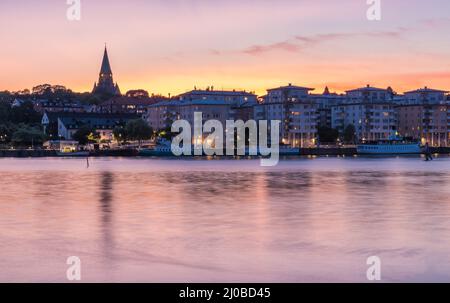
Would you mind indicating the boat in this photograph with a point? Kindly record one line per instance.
(73, 154)
(163, 148)
(392, 146)
(289, 151)
(157, 151)
(283, 150)
(71, 151)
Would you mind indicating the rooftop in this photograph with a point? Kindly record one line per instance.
(290, 86)
(367, 88)
(191, 102)
(54, 116)
(426, 90)
(95, 120)
(129, 101)
(218, 92)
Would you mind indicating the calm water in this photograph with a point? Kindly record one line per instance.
(144, 220)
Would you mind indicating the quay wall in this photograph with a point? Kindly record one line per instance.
(28, 153)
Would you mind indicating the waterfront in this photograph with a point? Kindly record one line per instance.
(149, 220)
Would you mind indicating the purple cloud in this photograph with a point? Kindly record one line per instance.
(299, 42)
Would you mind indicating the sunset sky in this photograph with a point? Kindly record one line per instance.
(170, 46)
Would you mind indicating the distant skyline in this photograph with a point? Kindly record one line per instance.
(170, 46)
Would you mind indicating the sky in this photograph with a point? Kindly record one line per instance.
(170, 46)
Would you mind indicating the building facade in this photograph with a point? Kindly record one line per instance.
(126, 105)
(370, 110)
(425, 96)
(423, 115)
(297, 112)
(68, 124)
(161, 116)
(427, 123)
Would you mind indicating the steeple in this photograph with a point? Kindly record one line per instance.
(105, 84)
(106, 67)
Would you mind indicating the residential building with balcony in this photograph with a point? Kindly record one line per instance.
(370, 110)
(425, 96)
(427, 123)
(297, 112)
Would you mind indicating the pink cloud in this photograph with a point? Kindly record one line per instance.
(299, 42)
(284, 46)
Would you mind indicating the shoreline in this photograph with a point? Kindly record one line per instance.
(132, 153)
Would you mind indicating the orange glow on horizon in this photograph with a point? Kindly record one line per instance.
(299, 42)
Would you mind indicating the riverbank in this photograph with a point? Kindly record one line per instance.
(352, 151)
(30, 153)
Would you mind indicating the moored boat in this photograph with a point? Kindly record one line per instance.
(73, 154)
(393, 146)
(157, 151)
(71, 151)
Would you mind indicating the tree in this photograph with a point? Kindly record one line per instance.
(28, 136)
(120, 134)
(328, 135)
(138, 130)
(350, 134)
(166, 134)
(6, 97)
(85, 135)
(25, 113)
(53, 92)
(41, 89)
(6, 132)
(5, 111)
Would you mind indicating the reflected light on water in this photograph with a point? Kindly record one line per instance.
(144, 220)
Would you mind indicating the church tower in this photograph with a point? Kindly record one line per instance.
(105, 85)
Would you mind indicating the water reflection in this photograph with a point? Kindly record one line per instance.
(232, 221)
(106, 211)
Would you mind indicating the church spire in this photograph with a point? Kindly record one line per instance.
(105, 84)
(106, 67)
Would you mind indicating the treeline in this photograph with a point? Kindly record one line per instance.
(53, 93)
(60, 93)
(20, 125)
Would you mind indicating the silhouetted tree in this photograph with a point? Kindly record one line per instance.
(138, 130)
(328, 135)
(28, 136)
(25, 113)
(350, 134)
(120, 134)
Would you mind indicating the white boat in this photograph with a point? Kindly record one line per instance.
(395, 146)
